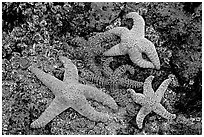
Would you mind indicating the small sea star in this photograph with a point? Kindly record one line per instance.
(134, 43)
(150, 100)
(70, 93)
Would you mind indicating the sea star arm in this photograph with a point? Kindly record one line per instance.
(147, 88)
(122, 69)
(129, 83)
(160, 110)
(148, 48)
(90, 76)
(48, 80)
(144, 111)
(106, 68)
(137, 97)
(119, 31)
(98, 95)
(138, 24)
(54, 109)
(161, 90)
(92, 65)
(115, 51)
(71, 72)
(82, 106)
(130, 69)
(118, 49)
(136, 57)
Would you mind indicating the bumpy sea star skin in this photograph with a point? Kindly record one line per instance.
(113, 79)
(96, 79)
(150, 100)
(134, 43)
(70, 93)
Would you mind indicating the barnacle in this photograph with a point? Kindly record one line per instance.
(7, 50)
(24, 62)
(79, 64)
(91, 132)
(6, 69)
(8, 88)
(15, 60)
(38, 38)
(38, 48)
(17, 32)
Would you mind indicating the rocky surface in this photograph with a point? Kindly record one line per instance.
(43, 31)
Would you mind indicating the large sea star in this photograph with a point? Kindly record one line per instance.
(70, 93)
(134, 43)
(150, 100)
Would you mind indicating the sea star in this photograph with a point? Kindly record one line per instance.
(150, 100)
(112, 79)
(70, 93)
(134, 43)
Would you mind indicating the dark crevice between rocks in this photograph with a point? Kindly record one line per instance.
(12, 16)
(190, 102)
(191, 6)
